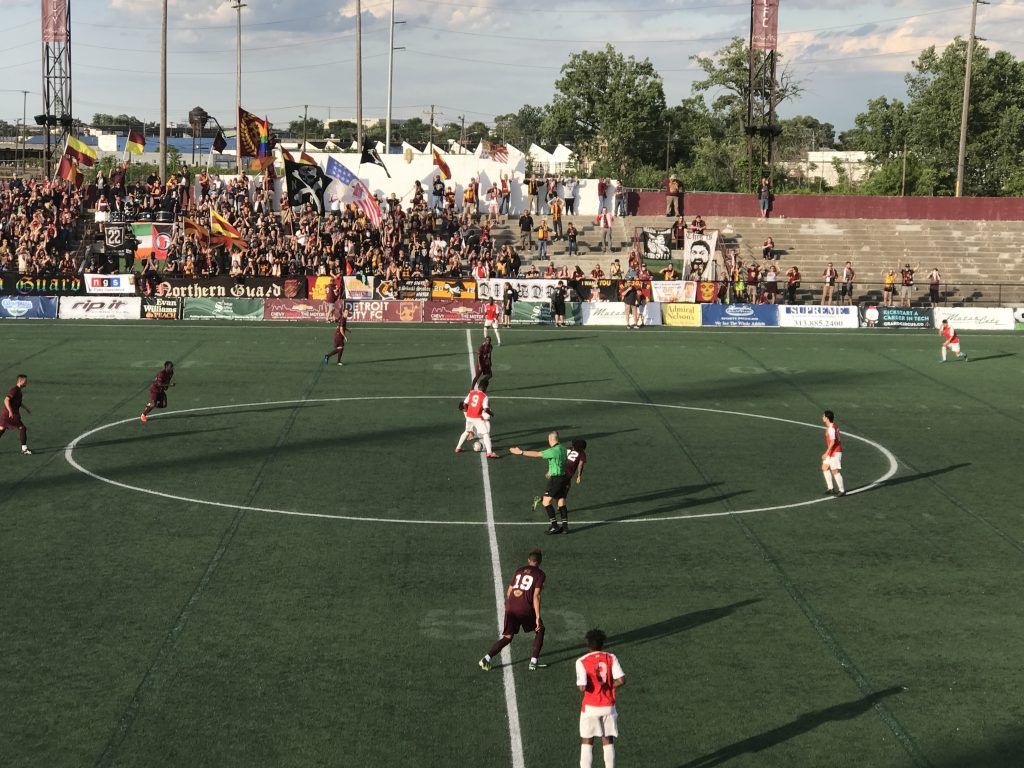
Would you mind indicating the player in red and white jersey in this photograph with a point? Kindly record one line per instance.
(832, 458)
(598, 675)
(522, 611)
(158, 390)
(575, 458)
(478, 419)
(950, 341)
(491, 319)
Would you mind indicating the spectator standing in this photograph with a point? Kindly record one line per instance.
(846, 287)
(557, 207)
(543, 236)
(506, 196)
(602, 193)
(828, 285)
(764, 196)
(526, 231)
(604, 223)
(907, 284)
(888, 287)
(673, 189)
(934, 283)
(570, 187)
(679, 230)
(620, 200)
(532, 190)
(570, 236)
(792, 284)
(437, 193)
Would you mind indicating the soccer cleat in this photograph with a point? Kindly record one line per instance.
(484, 665)
(493, 456)
(458, 450)
(565, 528)
(829, 492)
(536, 503)
(144, 418)
(26, 452)
(841, 493)
(327, 359)
(340, 363)
(535, 665)
(553, 529)
(967, 359)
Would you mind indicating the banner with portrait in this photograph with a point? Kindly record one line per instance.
(699, 255)
(658, 243)
(591, 289)
(674, 291)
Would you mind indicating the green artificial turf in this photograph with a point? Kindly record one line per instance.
(881, 629)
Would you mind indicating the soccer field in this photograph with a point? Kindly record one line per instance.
(290, 566)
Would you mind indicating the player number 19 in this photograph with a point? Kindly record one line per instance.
(523, 581)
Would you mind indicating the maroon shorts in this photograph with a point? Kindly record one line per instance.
(158, 396)
(516, 622)
(339, 342)
(6, 422)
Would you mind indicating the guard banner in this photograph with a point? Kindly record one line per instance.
(814, 316)
(232, 287)
(109, 284)
(976, 318)
(686, 315)
(15, 284)
(298, 309)
(452, 288)
(529, 289)
(539, 313)
(385, 311)
(453, 312)
(674, 291)
(96, 308)
(741, 315)
(873, 316)
(223, 309)
(28, 307)
(163, 308)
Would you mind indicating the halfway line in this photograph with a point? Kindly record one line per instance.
(511, 705)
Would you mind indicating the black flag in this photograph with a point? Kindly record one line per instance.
(371, 155)
(306, 184)
(219, 142)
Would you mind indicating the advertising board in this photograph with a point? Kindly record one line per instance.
(873, 316)
(97, 308)
(686, 315)
(385, 311)
(976, 318)
(453, 312)
(28, 307)
(674, 291)
(297, 309)
(741, 315)
(223, 309)
(539, 313)
(232, 287)
(163, 308)
(109, 284)
(814, 316)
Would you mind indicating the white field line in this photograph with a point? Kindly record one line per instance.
(511, 705)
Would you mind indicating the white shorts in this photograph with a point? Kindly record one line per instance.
(491, 324)
(478, 427)
(592, 725)
(955, 348)
(834, 462)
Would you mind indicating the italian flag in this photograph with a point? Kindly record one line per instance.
(153, 239)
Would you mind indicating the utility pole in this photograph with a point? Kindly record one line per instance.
(391, 76)
(359, 75)
(305, 113)
(238, 6)
(163, 93)
(962, 154)
(462, 134)
(668, 145)
(24, 133)
(431, 127)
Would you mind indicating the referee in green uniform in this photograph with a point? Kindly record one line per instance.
(557, 481)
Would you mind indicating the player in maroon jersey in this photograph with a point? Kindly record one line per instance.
(522, 611)
(10, 414)
(340, 337)
(483, 363)
(158, 390)
(575, 458)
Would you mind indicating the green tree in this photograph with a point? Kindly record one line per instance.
(522, 128)
(314, 128)
(104, 120)
(609, 108)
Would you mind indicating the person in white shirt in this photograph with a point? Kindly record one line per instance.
(604, 223)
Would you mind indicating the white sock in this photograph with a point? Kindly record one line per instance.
(461, 440)
(839, 483)
(533, 659)
(586, 756)
(828, 478)
(496, 334)
(943, 354)
(487, 658)
(487, 443)
(609, 756)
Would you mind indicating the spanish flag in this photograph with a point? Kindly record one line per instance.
(224, 233)
(442, 166)
(81, 151)
(136, 143)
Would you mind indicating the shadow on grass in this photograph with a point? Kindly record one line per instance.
(680, 506)
(649, 633)
(540, 434)
(228, 411)
(149, 435)
(542, 341)
(640, 498)
(803, 724)
(993, 357)
(399, 359)
(922, 475)
(551, 384)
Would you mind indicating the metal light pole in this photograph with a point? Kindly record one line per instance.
(359, 75)
(238, 6)
(24, 133)
(962, 153)
(391, 69)
(163, 93)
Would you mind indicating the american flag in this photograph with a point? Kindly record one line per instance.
(496, 152)
(360, 193)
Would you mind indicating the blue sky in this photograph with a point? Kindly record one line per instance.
(476, 58)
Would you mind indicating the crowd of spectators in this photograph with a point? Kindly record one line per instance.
(37, 224)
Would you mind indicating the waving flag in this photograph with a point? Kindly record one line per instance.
(305, 184)
(371, 155)
(442, 166)
(136, 143)
(360, 194)
(496, 152)
(68, 171)
(224, 233)
(81, 151)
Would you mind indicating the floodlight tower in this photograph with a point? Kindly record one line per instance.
(762, 127)
(56, 119)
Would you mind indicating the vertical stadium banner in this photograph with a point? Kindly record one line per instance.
(685, 315)
(385, 311)
(223, 309)
(539, 313)
(674, 291)
(592, 289)
(28, 307)
(97, 308)
(699, 249)
(355, 289)
(109, 284)
(55, 21)
(976, 318)
(446, 288)
(741, 315)
(15, 284)
(873, 316)
(812, 316)
(657, 243)
(764, 25)
(162, 308)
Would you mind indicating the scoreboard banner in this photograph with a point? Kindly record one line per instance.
(96, 308)
(162, 308)
(813, 316)
(109, 284)
(28, 307)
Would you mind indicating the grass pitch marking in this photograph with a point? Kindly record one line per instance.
(69, 451)
(515, 733)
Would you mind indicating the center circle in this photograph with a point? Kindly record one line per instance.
(69, 456)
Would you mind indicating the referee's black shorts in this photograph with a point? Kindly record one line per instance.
(557, 487)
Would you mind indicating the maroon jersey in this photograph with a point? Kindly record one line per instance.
(14, 398)
(526, 581)
(162, 380)
(483, 356)
(573, 459)
(340, 332)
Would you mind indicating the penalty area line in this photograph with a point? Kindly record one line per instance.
(511, 703)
